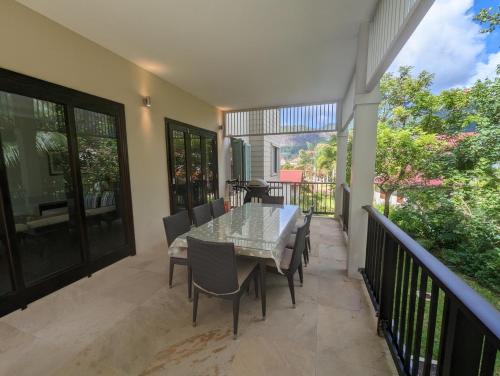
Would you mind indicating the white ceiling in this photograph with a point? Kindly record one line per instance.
(231, 53)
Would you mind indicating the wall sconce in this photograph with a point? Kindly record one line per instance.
(146, 101)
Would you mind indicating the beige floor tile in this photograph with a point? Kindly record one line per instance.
(135, 288)
(264, 356)
(24, 354)
(330, 363)
(125, 321)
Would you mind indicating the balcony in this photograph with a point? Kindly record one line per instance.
(126, 321)
(112, 120)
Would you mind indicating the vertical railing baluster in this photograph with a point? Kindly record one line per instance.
(404, 300)
(397, 300)
(411, 315)
(419, 323)
(488, 358)
(431, 329)
(388, 279)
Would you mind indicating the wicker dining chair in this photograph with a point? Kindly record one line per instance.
(277, 200)
(218, 272)
(291, 240)
(202, 214)
(217, 207)
(176, 225)
(291, 260)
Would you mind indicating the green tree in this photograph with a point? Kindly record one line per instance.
(488, 18)
(403, 157)
(326, 155)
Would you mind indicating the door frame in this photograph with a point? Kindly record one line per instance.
(22, 295)
(171, 124)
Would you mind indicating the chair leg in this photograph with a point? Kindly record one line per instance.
(170, 273)
(308, 243)
(195, 305)
(301, 274)
(190, 282)
(236, 314)
(304, 254)
(292, 288)
(256, 283)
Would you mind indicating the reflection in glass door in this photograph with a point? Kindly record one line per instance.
(179, 168)
(210, 169)
(192, 165)
(5, 273)
(196, 172)
(36, 158)
(65, 200)
(100, 176)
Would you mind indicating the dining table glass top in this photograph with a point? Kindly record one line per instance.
(258, 230)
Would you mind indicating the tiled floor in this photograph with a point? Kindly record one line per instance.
(124, 320)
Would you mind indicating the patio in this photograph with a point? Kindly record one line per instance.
(126, 321)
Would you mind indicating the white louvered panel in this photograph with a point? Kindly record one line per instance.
(390, 18)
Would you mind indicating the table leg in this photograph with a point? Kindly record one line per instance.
(262, 266)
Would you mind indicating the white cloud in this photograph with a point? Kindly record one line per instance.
(447, 43)
(487, 69)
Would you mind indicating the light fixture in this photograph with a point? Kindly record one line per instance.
(146, 101)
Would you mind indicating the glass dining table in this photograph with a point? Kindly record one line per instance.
(257, 230)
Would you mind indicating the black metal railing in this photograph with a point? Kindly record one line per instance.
(433, 322)
(346, 197)
(321, 196)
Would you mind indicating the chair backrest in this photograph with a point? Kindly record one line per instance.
(307, 219)
(218, 207)
(278, 200)
(176, 225)
(298, 248)
(213, 266)
(201, 214)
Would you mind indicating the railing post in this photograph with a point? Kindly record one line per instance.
(461, 345)
(389, 261)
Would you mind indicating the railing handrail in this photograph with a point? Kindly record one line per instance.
(283, 182)
(487, 316)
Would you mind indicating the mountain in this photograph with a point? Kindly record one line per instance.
(291, 144)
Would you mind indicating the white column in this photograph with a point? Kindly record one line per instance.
(362, 175)
(340, 170)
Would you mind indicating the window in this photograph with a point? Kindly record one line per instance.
(275, 159)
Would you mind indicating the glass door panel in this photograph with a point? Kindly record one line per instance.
(5, 275)
(179, 175)
(192, 166)
(210, 169)
(100, 173)
(36, 157)
(197, 184)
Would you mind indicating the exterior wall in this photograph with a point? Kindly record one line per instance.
(262, 147)
(36, 46)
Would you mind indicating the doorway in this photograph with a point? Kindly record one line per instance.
(192, 165)
(65, 202)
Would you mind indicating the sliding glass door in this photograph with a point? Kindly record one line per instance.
(65, 207)
(100, 175)
(192, 165)
(42, 197)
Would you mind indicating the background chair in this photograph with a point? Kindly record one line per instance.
(218, 207)
(277, 200)
(217, 272)
(202, 214)
(176, 225)
(291, 260)
(291, 240)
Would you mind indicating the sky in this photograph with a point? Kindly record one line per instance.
(449, 44)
